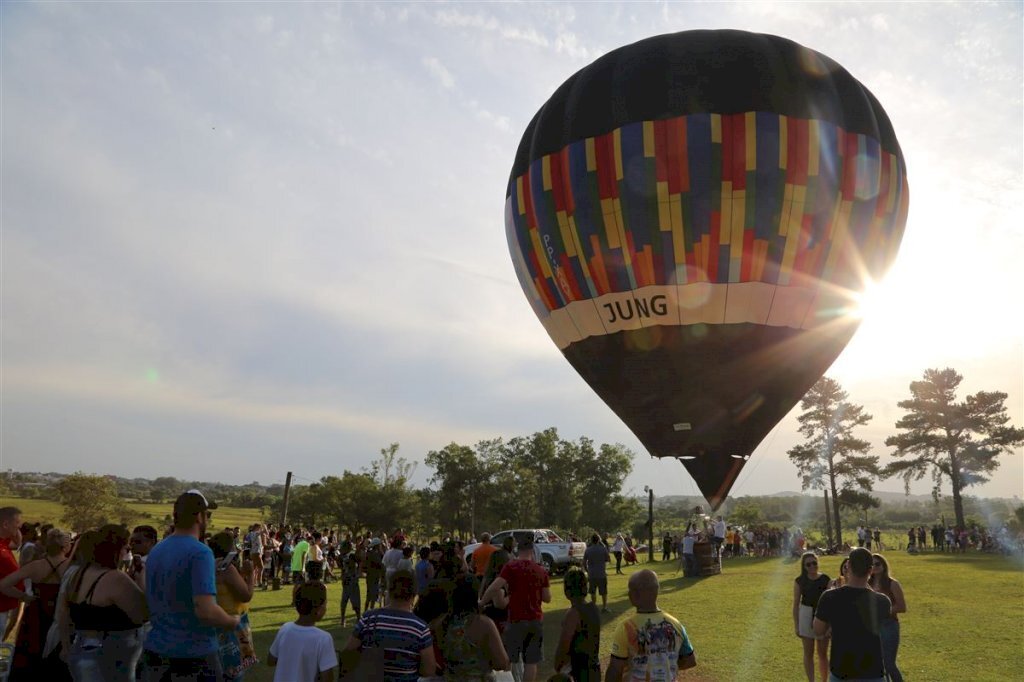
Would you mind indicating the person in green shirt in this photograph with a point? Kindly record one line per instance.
(299, 552)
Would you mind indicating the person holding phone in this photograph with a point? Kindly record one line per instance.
(234, 592)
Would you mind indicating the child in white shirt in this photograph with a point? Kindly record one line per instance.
(301, 651)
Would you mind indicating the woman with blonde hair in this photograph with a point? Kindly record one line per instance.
(807, 589)
(883, 583)
(45, 573)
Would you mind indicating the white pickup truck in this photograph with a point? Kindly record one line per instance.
(554, 553)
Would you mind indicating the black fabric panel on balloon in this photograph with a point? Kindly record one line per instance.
(736, 382)
(724, 72)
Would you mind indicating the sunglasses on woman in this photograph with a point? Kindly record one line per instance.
(810, 563)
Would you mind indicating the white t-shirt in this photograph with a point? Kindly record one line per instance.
(719, 529)
(302, 652)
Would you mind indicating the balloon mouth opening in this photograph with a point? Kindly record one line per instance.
(743, 457)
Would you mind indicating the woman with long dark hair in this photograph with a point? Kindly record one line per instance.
(40, 606)
(807, 589)
(883, 583)
(102, 613)
(844, 569)
(580, 642)
(234, 592)
(468, 641)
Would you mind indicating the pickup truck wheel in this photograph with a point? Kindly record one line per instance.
(548, 563)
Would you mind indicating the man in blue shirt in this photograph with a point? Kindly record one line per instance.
(181, 592)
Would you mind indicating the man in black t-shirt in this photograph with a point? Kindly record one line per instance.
(855, 613)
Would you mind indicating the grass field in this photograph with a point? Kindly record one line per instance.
(965, 617)
(148, 512)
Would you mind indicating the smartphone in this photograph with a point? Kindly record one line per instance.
(227, 561)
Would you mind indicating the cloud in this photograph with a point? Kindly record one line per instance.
(439, 72)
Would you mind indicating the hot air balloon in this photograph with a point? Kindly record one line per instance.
(690, 217)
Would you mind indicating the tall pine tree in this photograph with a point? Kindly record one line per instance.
(950, 439)
(831, 456)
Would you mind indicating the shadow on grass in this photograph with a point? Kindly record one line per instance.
(1013, 563)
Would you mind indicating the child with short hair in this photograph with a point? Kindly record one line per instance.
(301, 651)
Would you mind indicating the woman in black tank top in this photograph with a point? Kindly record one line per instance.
(580, 641)
(40, 608)
(104, 610)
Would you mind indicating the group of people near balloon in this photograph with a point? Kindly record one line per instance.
(437, 614)
(860, 571)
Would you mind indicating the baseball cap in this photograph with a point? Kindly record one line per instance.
(192, 502)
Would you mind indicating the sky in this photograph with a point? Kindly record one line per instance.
(240, 239)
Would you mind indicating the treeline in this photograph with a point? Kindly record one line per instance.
(808, 511)
(43, 486)
(533, 481)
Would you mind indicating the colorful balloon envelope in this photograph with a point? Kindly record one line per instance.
(692, 217)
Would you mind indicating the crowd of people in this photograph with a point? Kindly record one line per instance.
(111, 604)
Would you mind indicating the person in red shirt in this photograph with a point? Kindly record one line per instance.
(10, 521)
(528, 586)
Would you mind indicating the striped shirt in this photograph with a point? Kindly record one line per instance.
(401, 635)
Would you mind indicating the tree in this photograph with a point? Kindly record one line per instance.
(391, 475)
(746, 514)
(860, 500)
(950, 439)
(458, 476)
(165, 488)
(831, 456)
(90, 502)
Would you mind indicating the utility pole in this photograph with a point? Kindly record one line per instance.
(650, 524)
(284, 507)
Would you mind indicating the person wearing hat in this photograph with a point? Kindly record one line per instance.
(181, 591)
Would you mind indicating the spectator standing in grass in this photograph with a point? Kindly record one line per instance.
(300, 550)
(374, 569)
(807, 590)
(528, 587)
(424, 572)
(392, 644)
(315, 558)
(469, 642)
(391, 559)
(349, 581)
(10, 534)
(883, 583)
(40, 607)
(580, 641)
(101, 614)
(618, 547)
(650, 644)
(302, 652)
(142, 541)
(481, 556)
(854, 612)
(181, 589)
(234, 592)
(595, 561)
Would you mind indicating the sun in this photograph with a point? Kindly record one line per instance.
(870, 303)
